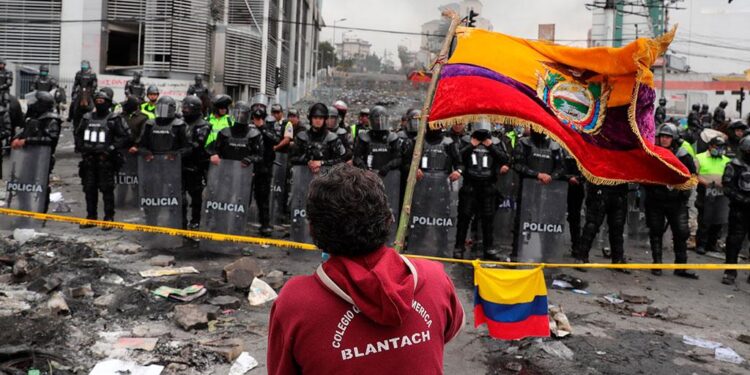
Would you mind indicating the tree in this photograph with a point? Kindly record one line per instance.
(346, 65)
(326, 55)
(372, 63)
(405, 57)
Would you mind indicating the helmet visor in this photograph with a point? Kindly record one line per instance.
(165, 110)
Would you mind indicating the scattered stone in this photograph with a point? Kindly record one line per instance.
(150, 330)
(82, 291)
(225, 302)
(275, 279)
(176, 369)
(106, 300)
(44, 285)
(744, 338)
(57, 304)
(112, 279)
(195, 316)
(241, 272)
(21, 268)
(162, 261)
(514, 366)
(557, 349)
(127, 248)
(230, 349)
(642, 300)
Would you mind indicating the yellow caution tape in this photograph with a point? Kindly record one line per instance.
(130, 227)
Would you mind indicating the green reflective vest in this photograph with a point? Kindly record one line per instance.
(149, 110)
(217, 123)
(711, 166)
(689, 148)
(513, 137)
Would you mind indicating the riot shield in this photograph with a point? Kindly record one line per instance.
(542, 224)
(160, 196)
(716, 204)
(28, 185)
(432, 226)
(226, 202)
(301, 178)
(392, 183)
(506, 209)
(278, 189)
(126, 182)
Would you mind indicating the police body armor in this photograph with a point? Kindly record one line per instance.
(541, 159)
(86, 80)
(744, 180)
(96, 137)
(481, 165)
(163, 137)
(45, 84)
(5, 76)
(433, 219)
(378, 157)
(137, 89)
(237, 145)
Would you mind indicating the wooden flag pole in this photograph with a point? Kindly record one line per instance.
(418, 143)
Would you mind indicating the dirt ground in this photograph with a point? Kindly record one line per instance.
(607, 338)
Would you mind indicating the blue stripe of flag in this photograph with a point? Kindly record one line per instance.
(511, 313)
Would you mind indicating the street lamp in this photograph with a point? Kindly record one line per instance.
(334, 37)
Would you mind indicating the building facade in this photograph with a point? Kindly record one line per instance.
(352, 48)
(241, 47)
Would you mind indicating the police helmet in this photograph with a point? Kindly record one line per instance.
(101, 94)
(152, 89)
(221, 101)
(696, 107)
(365, 112)
(136, 75)
(333, 112)
(39, 102)
(717, 141)
(292, 112)
(242, 112)
(737, 125)
(378, 118)
(85, 65)
(669, 130)
(166, 107)
(663, 101)
(43, 68)
(723, 104)
(341, 106)
(109, 92)
(412, 120)
(317, 110)
(191, 106)
(276, 107)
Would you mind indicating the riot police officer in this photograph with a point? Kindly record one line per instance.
(219, 117)
(720, 115)
(98, 138)
(200, 90)
(242, 141)
(41, 128)
(535, 157)
(133, 116)
(576, 194)
(710, 166)
(457, 133)
(610, 202)
(660, 114)
(149, 107)
(6, 81)
(342, 108)
(135, 88)
(84, 86)
(407, 136)
(705, 116)
(263, 169)
(283, 128)
(737, 131)
(363, 122)
(367, 154)
(333, 125)
(483, 158)
(165, 134)
(736, 183)
(43, 81)
(317, 146)
(666, 205)
(195, 163)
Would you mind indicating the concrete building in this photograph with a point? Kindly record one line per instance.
(241, 47)
(352, 48)
(617, 23)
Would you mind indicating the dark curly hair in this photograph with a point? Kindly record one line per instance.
(348, 211)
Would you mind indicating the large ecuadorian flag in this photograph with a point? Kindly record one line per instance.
(513, 303)
(596, 102)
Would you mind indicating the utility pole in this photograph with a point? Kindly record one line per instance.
(666, 53)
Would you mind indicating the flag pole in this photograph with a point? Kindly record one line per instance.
(418, 143)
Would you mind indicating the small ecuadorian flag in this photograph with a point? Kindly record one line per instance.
(513, 303)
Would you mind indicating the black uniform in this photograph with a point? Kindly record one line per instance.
(705, 116)
(478, 194)
(263, 174)
(84, 81)
(43, 83)
(720, 116)
(601, 201)
(576, 195)
(660, 115)
(665, 205)
(321, 145)
(346, 140)
(534, 155)
(195, 167)
(97, 139)
(6, 81)
(159, 138)
(135, 89)
(239, 142)
(736, 183)
(380, 159)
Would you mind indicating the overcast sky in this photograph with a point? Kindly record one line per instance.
(704, 21)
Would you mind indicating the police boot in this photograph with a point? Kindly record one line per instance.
(491, 254)
(686, 274)
(656, 254)
(87, 226)
(621, 270)
(729, 277)
(108, 218)
(700, 250)
(266, 231)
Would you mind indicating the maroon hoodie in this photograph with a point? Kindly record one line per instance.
(377, 314)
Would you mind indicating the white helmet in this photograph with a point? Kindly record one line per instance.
(341, 106)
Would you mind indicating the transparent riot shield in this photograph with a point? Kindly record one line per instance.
(433, 217)
(27, 185)
(226, 202)
(542, 224)
(126, 182)
(278, 208)
(160, 196)
(392, 183)
(301, 178)
(716, 204)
